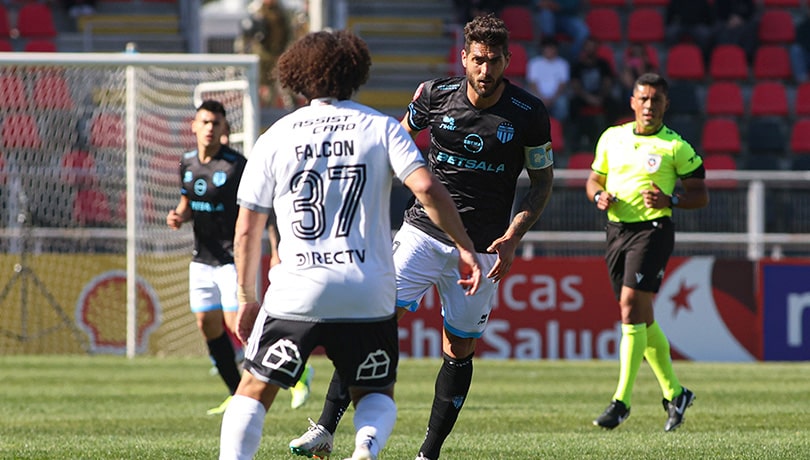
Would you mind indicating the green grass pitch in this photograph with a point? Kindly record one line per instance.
(105, 407)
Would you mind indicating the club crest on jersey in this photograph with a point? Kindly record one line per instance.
(505, 132)
(219, 178)
(653, 162)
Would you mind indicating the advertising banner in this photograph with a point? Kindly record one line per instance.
(785, 288)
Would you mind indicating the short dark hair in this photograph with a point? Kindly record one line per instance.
(325, 64)
(489, 30)
(212, 106)
(654, 80)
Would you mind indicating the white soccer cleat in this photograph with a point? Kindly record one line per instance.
(316, 442)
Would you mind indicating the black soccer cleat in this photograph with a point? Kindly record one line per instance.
(676, 409)
(615, 414)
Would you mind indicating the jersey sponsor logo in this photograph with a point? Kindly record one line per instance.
(327, 124)
(204, 206)
(451, 87)
(653, 162)
(200, 186)
(376, 366)
(473, 143)
(349, 256)
(448, 123)
(505, 132)
(324, 150)
(283, 356)
(469, 163)
(219, 178)
(187, 176)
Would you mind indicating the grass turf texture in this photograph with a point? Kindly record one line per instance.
(103, 407)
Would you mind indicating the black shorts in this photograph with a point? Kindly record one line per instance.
(365, 355)
(637, 253)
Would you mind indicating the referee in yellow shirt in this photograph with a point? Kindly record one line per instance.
(634, 173)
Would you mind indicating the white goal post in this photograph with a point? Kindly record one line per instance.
(89, 147)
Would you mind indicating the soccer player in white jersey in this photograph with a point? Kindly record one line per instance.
(484, 132)
(326, 170)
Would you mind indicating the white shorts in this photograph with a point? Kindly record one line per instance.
(212, 288)
(422, 261)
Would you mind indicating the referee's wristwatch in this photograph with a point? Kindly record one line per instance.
(674, 200)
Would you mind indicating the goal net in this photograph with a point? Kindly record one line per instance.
(89, 152)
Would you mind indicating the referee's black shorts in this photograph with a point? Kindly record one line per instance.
(637, 253)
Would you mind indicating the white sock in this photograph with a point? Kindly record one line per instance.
(374, 417)
(241, 431)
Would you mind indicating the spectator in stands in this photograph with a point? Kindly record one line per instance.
(547, 75)
(800, 51)
(593, 104)
(690, 21)
(736, 24)
(563, 17)
(266, 32)
(637, 61)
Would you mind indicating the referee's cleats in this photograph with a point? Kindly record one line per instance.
(615, 414)
(677, 408)
(316, 442)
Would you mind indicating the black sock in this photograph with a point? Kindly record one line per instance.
(452, 385)
(221, 351)
(335, 405)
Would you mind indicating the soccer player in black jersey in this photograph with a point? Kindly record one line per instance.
(484, 131)
(209, 178)
(634, 173)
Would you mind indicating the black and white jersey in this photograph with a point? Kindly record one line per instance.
(327, 170)
(211, 191)
(478, 154)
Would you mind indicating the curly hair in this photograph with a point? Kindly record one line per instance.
(325, 64)
(488, 30)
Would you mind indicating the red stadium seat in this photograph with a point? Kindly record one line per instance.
(91, 207)
(6, 46)
(5, 28)
(781, 3)
(605, 52)
(78, 168)
(802, 102)
(645, 25)
(772, 62)
(652, 55)
(40, 46)
(519, 21)
(800, 137)
(51, 91)
(557, 136)
(36, 20)
(13, 92)
(658, 3)
(580, 161)
(776, 27)
(107, 131)
(20, 131)
(685, 61)
(724, 98)
(769, 98)
(518, 61)
(728, 62)
(605, 24)
(720, 162)
(721, 135)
